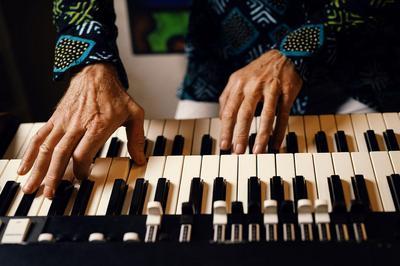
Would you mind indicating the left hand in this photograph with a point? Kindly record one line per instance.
(271, 78)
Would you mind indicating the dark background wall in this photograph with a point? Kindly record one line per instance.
(26, 52)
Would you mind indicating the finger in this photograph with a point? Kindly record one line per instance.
(33, 148)
(281, 123)
(266, 118)
(135, 135)
(224, 97)
(59, 161)
(43, 160)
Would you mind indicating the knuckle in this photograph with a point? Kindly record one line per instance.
(268, 113)
(45, 149)
(228, 115)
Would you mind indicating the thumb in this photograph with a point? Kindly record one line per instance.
(135, 134)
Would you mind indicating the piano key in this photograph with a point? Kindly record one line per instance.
(61, 198)
(191, 169)
(215, 131)
(138, 197)
(209, 171)
(3, 164)
(196, 195)
(114, 148)
(178, 145)
(16, 231)
(277, 191)
(252, 140)
(304, 166)
(394, 185)
(254, 196)
(311, 127)
(252, 134)
(392, 121)
(323, 169)
(70, 204)
(172, 172)
(341, 142)
(32, 132)
(371, 140)
(82, 198)
(20, 137)
(24, 205)
(291, 143)
(121, 135)
(146, 125)
(162, 191)
(136, 172)
(9, 172)
(247, 167)
(395, 158)
(7, 195)
(171, 129)
(20, 194)
(376, 123)
(154, 171)
(390, 140)
(265, 171)
(104, 150)
(228, 169)
(362, 166)
(343, 123)
(156, 129)
(343, 167)
(201, 128)
(206, 145)
(117, 197)
(285, 169)
(219, 189)
(328, 126)
(321, 142)
(337, 194)
(159, 146)
(360, 191)
(186, 130)
(360, 125)
(383, 168)
(296, 125)
(299, 188)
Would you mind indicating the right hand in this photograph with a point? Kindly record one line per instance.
(93, 107)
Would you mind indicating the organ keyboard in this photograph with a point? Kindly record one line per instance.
(330, 195)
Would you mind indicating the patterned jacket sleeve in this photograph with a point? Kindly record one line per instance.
(86, 33)
(327, 26)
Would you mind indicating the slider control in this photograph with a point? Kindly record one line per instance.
(153, 221)
(305, 219)
(271, 220)
(220, 220)
(322, 219)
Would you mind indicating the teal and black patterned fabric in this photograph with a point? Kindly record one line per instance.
(341, 48)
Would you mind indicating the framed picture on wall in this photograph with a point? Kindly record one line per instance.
(158, 26)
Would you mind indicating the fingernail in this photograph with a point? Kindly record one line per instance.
(21, 169)
(49, 192)
(224, 145)
(257, 149)
(27, 189)
(240, 148)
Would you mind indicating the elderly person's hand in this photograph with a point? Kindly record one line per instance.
(273, 79)
(94, 106)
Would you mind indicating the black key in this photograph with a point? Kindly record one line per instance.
(162, 192)
(82, 198)
(299, 188)
(206, 145)
(370, 139)
(25, 204)
(219, 189)
(321, 142)
(7, 195)
(159, 146)
(269, 148)
(341, 141)
(223, 152)
(61, 198)
(337, 194)
(390, 140)
(276, 188)
(252, 140)
(196, 194)
(177, 145)
(138, 197)
(253, 195)
(291, 143)
(394, 185)
(237, 212)
(113, 149)
(117, 197)
(360, 191)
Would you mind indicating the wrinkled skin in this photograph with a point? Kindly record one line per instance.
(272, 79)
(93, 107)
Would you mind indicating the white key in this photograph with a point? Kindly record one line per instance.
(32, 133)
(285, 169)
(377, 124)
(328, 125)
(228, 169)
(119, 169)
(146, 125)
(9, 173)
(135, 173)
(20, 137)
(154, 171)
(265, 171)
(170, 131)
(37, 202)
(172, 172)
(45, 207)
(343, 123)
(395, 158)
(191, 169)
(156, 129)
(362, 166)
(215, 130)
(247, 168)
(201, 128)
(311, 127)
(106, 146)
(343, 167)
(392, 121)
(186, 130)
(296, 125)
(16, 231)
(305, 167)
(209, 171)
(3, 164)
(283, 147)
(99, 176)
(360, 126)
(253, 129)
(323, 169)
(383, 168)
(121, 134)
